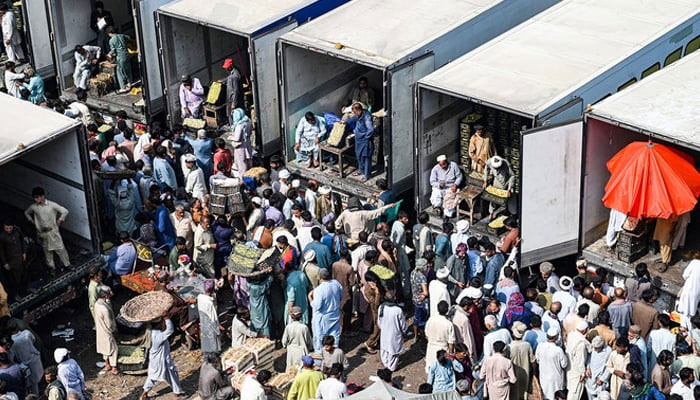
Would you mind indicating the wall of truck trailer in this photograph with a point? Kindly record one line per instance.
(197, 43)
(67, 180)
(467, 85)
(317, 74)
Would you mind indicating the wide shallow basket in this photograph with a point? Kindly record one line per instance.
(147, 307)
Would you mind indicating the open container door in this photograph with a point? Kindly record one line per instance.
(399, 128)
(37, 32)
(551, 168)
(267, 110)
(149, 59)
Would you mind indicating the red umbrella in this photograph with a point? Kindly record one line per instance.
(651, 180)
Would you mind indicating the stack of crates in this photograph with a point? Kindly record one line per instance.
(225, 198)
(516, 124)
(464, 135)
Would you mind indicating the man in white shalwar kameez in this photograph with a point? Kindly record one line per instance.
(296, 339)
(437, 290)
(161, 366)
(105, 328)
(463, 327)
(615, 222)
(495, 334)
(240, 331)
(392, 324)
(11, 38)
(577, 348)
(209, 320)
(598, 381)
(398, 237)
(47, 216)
(440, 333)
(553, 363)
(690, 293)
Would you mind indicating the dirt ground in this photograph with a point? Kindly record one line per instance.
(410, 375)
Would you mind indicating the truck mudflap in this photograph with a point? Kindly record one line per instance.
(55, 293)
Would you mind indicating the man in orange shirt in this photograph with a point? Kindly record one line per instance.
(222, 154)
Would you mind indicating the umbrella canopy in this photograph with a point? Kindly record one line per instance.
(650, 180)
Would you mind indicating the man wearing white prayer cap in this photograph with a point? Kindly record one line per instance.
(500, 175)
(69, 373)
(437, 290)
(460, 235)
(310, 268)
(553, 364)
(444, 176)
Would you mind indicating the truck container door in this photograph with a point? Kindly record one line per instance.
(551, 166)
(69, 22)
(399, 140)
(264, 80)
(147, 39)
(36, 28)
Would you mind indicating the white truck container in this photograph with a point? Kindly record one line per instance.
(542, 74)
(197, 36)
(70, 25)
(663, 109)
(393, 43)
(50, 152)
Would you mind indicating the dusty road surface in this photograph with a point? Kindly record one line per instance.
(410, 375)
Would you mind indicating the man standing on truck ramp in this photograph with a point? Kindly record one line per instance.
(11, 38)
(47, 217)
(364, 140)
(234, 88)
(118, 50)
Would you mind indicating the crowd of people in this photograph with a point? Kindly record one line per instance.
(487, 331)
(365, 270)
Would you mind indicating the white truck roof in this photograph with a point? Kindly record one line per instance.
(541, 61)
(243, 17)
(380, 33)
(664, 104)
(25, 126)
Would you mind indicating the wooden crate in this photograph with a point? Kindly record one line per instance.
(215, 115)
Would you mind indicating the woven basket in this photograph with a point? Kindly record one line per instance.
(147, 307)
(255, 172)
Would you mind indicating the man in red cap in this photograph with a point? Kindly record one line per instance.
(233, 88)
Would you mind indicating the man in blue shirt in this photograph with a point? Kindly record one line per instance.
(323, 253)
(122, 258)
(364, 140)
(204, 150)
(476, 265)
(494, 263)
(165, 232)
(162, 171)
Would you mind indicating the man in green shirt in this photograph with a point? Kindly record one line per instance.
(118, 49)
(95, 275)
